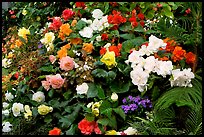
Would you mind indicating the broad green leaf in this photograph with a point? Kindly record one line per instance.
(168, 13)
(120, 112)
(4, 71)
(127, 36)
(139, 28)
(113, 123)
(106, 7)
(101, 94)
(47, 68)
(119, 87)
(72, 129)
(150, 14)
(105, 105)
(107, 112)
(115, 33)
(80, 25)
(50, 93)
(90, 117)
(67, 95)
(99, 73)
(103, 121)
(92, 91)
(125, 27)
(48, 118)
(129, 44)
(111, 75)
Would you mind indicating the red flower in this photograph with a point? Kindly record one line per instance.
(86, 126)
(142, 23)
(16, 75)
(159, 5)
(67, 14)
(113, 4)
(141, 16)
(102, 51)
(55, 131)
(13, 16)
(56, 23)
(188, 11)
(190, 57)
(115, 49)
(80, 4)
(11, 12)
(178, 54)
(116, 18)
(119, 46)
(104, 36)
(133, 21)
(97, 129)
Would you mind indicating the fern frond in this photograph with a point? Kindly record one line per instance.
(181, 96)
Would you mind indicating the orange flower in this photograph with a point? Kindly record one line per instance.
(178, 54)
(55, 131)
(67, 46)
(62, 52)
(12, 46)
(18, 43)
(76, 41)
(74, 22)
(190, 58)
(115, 49)
(88, 47)
(65, 29)
(102, 51)
(61, 36)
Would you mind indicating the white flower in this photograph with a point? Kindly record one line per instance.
(87, 21)
(97, 14)
(114, 96)
(6, 127)
(9, 97)
(130, 131)
(76, 65)
(98, 38)
(6, 62)
(96, 25)
(134, 57)
(39, 96)
(82, 89)
(144, 50)
(150, 63)
(87, 32)
(182, 78)
(17, 108)
(86, 67)
(107, 45)
(5, 112)
(5, 104)
(155, 43)
(163, 68)
(90, 104)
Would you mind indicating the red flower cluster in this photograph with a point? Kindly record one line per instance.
(67, 14)
(116, 49)
(56, 23)
(178, 54)
(188, 11)
(104, 36)
(116, 19)
(190, 58)
(133, 19)
(80, 4)
(55, 131)
(114, 4)
(88, 127)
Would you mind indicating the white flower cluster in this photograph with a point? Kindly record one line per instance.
(142, 67)
(39, 96)
(182, 78)
(6, 63)
(98, 24)
(17, 108)
(6, 127)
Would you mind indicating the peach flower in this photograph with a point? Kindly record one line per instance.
(66, 63)
(56, 81)
(52, 59)
(46, 85)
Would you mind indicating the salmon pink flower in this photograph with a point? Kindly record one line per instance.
(66, 63)
(46, 85)
(67, 14)
(52, 59)
(56, 81)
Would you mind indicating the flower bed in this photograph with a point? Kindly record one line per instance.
(111, 68)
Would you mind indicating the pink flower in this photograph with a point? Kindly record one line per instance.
(86, 127)
(67, 14)
(66, 63)
(52, 59)
(56, 81)
(46, 85)
(97, 129)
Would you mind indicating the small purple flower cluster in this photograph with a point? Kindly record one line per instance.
(134, 103)
(40, 45)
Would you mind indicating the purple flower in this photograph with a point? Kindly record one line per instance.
(136, 100)
(40, 45)
(130, 98)
(143, 103)
(124, 100)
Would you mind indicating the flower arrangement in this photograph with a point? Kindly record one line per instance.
(97, 70)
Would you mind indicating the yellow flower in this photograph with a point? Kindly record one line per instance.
(10, 55)
(49, 37)
(95, 108)
(24, 12)
(28, 112)
(44, 110)
(23, 32)
(18, 43)
(111, 132)
(38, 18)
(109, 59)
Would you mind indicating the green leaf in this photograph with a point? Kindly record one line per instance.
(111, 75)
(105, 105)
(120, 112)
(90, 117)
(42, 77)
(47, 68)
(50, 93)
(125, 27)
(54, 103)
(106, 7)
(92, 91)
(168, 13)
(115, 33)
(66, 95)
(99, 73)
(4, 71)
(74, 35)
(35, 111)
(113, 123)
(129, 44)
(139, 28)
(68, 109)
(150, 14)
(103, 121)
(80, 25)
(101, 94)
(182, 63)
(107, 112)
(119, 87)
(22, 39)
(48, 119)
(127, 36)
(72, 130)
